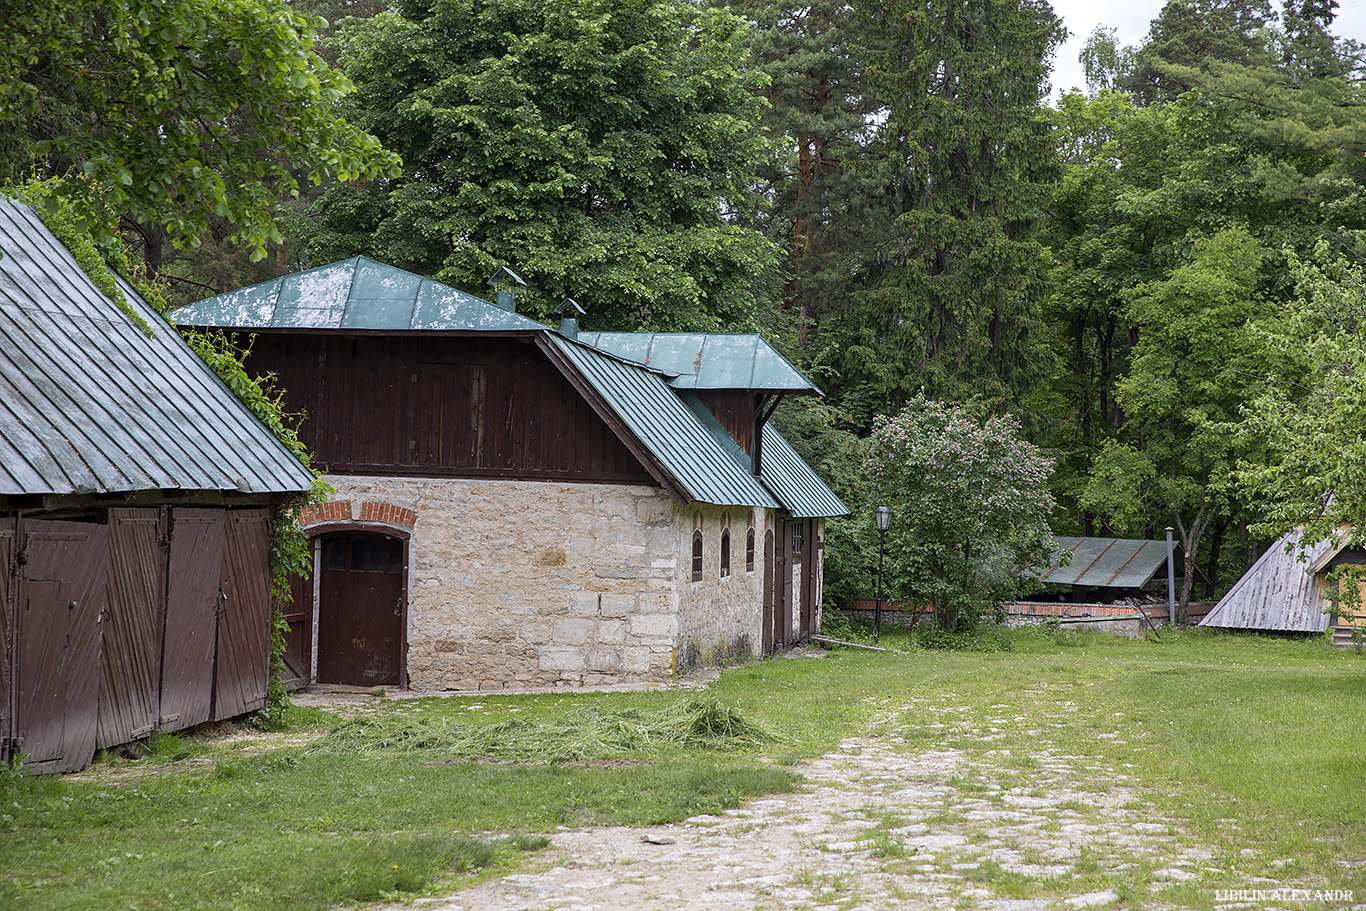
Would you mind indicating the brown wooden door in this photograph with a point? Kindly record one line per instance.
(241, 667)
(58, 644)
(7, 609)
(130, 660)
(770, 623)
(299, 638)
(194, 595)
(361, 596)
(806, 562)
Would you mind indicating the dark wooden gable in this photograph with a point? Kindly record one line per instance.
(449, 405)
(734, 408)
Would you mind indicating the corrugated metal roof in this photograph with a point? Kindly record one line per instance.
(1108, 562)
(793, 482)
(358, 294)
(699, 360)
(89, 404)
(1279, 592)
(682, 440)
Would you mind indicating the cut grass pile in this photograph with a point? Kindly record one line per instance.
(584, 735)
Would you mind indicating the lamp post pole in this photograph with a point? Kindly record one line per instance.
(1171, 581)
(884, 519)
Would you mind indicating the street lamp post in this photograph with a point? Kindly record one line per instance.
(884, 519)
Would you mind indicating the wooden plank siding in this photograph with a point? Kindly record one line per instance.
(734, 408)
(241, 667)
(452, 406)
(57, 672)
(132, 626)
(7, 702)
(192, 602)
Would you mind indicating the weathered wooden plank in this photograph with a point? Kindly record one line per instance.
(58, 638)
(192, 600)
(130, 662)
(241, 669)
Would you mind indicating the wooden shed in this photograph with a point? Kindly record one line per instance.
(1287, 590)
(137, 496)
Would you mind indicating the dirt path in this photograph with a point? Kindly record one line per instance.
(883, 824)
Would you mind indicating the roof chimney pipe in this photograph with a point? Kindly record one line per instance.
(569, 324)
(505, 283)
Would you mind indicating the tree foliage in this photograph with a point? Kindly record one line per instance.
(595, 146)
(179, 109)
(1195, 367)
(1312, 418)
(970, 504)
(955, 283)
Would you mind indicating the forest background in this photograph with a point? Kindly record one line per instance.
(1158, 277)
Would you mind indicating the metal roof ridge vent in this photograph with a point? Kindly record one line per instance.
(505, 282)
(569, 325)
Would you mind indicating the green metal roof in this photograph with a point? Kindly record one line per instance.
(357, 294)
(698, 360)
(89, 404)
(793, 482)
(681, 439)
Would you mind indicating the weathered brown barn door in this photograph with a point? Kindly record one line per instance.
(194, 590)
(6, 638)
(299, 639)
(786, 543)
(241, 668)
(361, 595)
(770, 621)
(805, 558)
(57, 637)
(131, 629)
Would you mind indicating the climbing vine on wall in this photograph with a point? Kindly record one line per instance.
(290, 554)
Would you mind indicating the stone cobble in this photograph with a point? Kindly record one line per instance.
(882, 824)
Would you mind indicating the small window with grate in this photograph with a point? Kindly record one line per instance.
(725, 552)
(697, 556)
(749, 550)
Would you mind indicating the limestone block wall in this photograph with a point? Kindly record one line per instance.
(720, 616)
(533, 583)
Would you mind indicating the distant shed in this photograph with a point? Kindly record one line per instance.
(1104, 569)
(1285, 590)
(137, 495)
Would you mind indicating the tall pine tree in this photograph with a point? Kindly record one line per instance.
(966, 160)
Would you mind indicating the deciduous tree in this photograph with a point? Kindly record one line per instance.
(970, 504)
(595, 146)
(179, 109)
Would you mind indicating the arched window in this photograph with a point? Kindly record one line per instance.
(725, 552)
(749, 550)
(697, 556)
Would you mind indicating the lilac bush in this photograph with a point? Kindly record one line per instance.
(970, 502)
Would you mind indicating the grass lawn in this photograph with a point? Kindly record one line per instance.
(1257, 744)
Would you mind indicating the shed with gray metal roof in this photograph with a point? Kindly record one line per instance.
(92, 405)
(138, 497)
(1108, 562)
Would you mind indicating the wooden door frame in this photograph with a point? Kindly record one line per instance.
(315, 535)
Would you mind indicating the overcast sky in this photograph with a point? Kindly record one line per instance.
(1130, 19)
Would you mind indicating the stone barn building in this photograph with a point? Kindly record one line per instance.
(518, 506)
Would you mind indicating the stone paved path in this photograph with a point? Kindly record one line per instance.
(882, 824)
